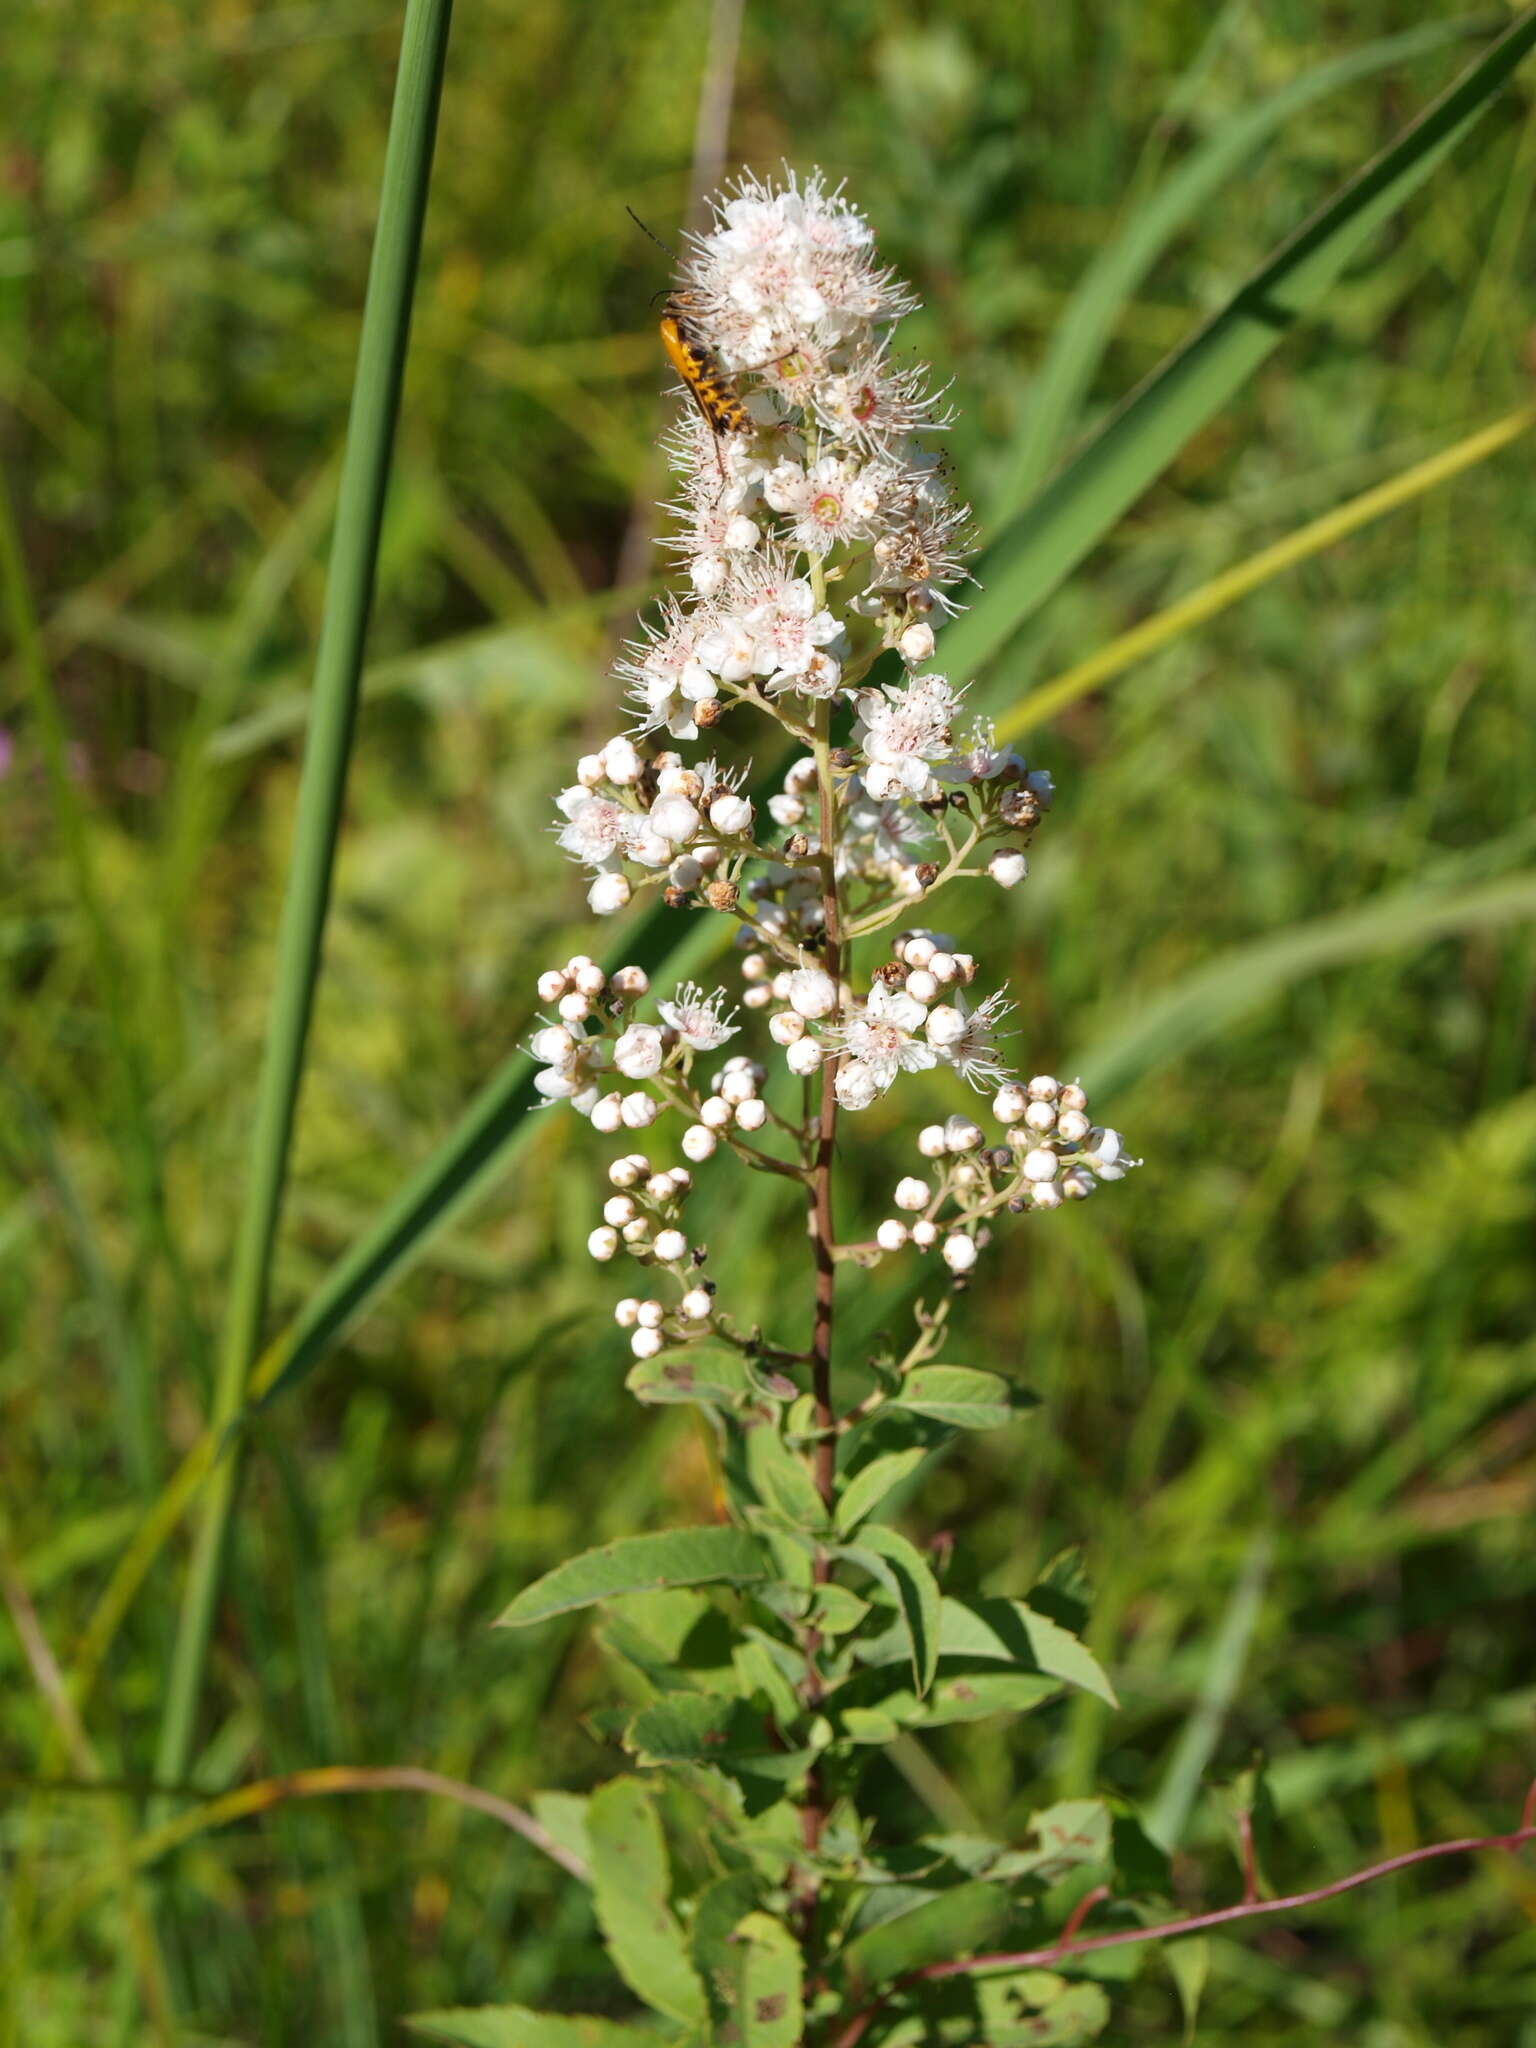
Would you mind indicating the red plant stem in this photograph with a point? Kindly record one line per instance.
(1250, 1867)
(1168, 1930)
(1081, 1910)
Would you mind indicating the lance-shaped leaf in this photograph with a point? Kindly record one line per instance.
(962, 1396)
(956, 1923)
(1001, 1632)
(901, 1568)
(710, 1374)
(767, 1996)
(869, 1486)
(513, 2026)
(640, 1564)
(710, 1728)
(631, 1888)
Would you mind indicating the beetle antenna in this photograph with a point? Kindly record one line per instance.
(640, 224)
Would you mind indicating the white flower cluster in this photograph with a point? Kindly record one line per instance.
(1051, 1154)
(819, 537)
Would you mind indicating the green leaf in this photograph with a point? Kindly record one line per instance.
(782, 1479)
(1005, 1632)
(900, 1568)
(1041, 548)
(1189, 1965)
(834, 1610)
(636, 1564)
(705, 1728)
(513, 2026)
(1070, 1834)
(563, 1817)
(720, 1910)
(1249, 1796)
(1031, 2007)
(869, 1486)
(973, 1695)
(631, 1886)
(962, 1396)
(956, 1923)
(768, 1999)
(709, 1374)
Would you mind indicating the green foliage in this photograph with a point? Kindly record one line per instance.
(631, 1888)
(639, 1564)
(510, 2026)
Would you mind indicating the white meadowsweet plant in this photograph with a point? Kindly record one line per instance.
(797, 764)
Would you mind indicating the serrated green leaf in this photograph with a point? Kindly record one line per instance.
(962, 1396)
(869, 1486)
(956, 1923)
(563, 1817)
(708, 1728)
(759, 1670)
(636, 1564)
(709, 1374)
(899, 1566)
(768, 2000)
(1070, 1834)
(631, 1887)
(1003, 1632)
(721, 1908)
(973, 1695)
(834, 1610)
(513, 2026)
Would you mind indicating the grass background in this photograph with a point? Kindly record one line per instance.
(1286, 1371)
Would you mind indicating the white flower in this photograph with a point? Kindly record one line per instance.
(696, 1305)
(881, 1035)
(981, 759)
(834, 500)
(553, 1046)
(965, 1037)
(903, 729)
(697, 1018)
(598, 830)
(638, 1053)
(788, 632)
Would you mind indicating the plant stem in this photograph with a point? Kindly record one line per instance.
(823, 1233)
(338, 670)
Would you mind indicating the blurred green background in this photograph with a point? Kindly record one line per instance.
(1286, 1370)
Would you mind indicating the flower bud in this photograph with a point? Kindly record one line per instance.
(716, 1112)
(754, 967)
(1009, 1103)
(621, 761)
(1041, 1164)
(619, 1209)
(916, 643)
(625, 1172)
(625, 1312)
(812, 992)
(590, 771)
(946, 1026)
(629, 983)
(1073, 1126)
(1008, 868)
(639, 1111)
(917, 950)
(785, 1026)
(646, 1342)
(943, 969)
(892, 1234)
(603, 1242)
(637, 1056)
(608, 895)
(671, 1245)
(932, 1141)
(959, 1252)
(752, 1114)
(738, 1085)
(1041, 1118)
(552, 984)
(731, 815)
(1044, 1088)
(912, 1193)
(696, 1305)
(804, 1056)
(921, 985)
(553, 1045)
(650, 1315)
(1074, 1097)
(698, 1142)
(961, 1135)
(708, 574)
(675, 819)
(1047, 1195)
(575, 1008)
(553, 1085)
(925, 1232)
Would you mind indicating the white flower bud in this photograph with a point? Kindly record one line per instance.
(1041, 1118)
(932, 1142)
(757, 995)
(553, 1045)
(945, 1025)
(591, 980)
(804, 1056)
(650, 849)
(619, 1209)
(552, 985)
(892, 1234)
(921, 985)
(738, 1084)
(1041, 1164)
(671, 1245)
(785, 1026)
(698, 1142)
(681, 1179)
(966, 1176)
(629, 983)
(590, 771)
(603, 1242)
(1008, 868)
(812, 992)
(961, 1135)
(786, 810)
(675, 819)
(856, 1085)
(646, 1342)
(731, 815)
(626, 1171)
(636, 1233)
(754, 967)
(1044, 1088)
(625, 1312)
(608, 894)
(916, 951)
(650, 1315)
(707, 574)
(574, 1008)
(680, 781)
(959, 1252)
(925, 1232)
(1009, 1103)
(621, 761)
(1047, 1195)
(584, 1101)
(697, 1305)
(553, 1085)
(716, 1112)
(1077, 1185)
(752, 1114)
(741, 534)
(1073, 1126)
(943, 968)
(640, 1111)
(638, 1052)
(916, 643)
(1074, 1097)
(912, 1193)
(685, 872)
(965, 967)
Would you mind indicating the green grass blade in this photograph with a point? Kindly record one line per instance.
(1081, 336)
(338, 668)
(1035, 555)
